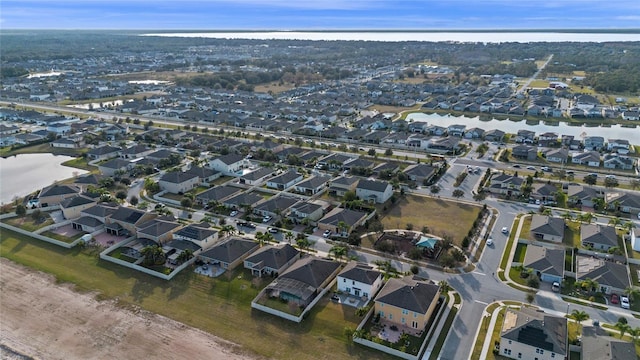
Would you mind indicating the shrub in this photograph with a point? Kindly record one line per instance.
(466, 242)
(414, 254)
(533, 282)
(409, 226)
(21, 210)
(414, 269)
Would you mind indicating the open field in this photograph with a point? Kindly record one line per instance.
(274, 87)
(40, 148)
(218, 306)
(436, 214)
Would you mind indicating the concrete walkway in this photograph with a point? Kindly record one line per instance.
(438, 330)
(487, 344)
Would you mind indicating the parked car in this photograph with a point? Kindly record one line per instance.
(624, 302)
(545, 168)
(516, 166)
(272, 230)
(531, 167)
(489, 242)
(555, 287)
(505, 230)
(326, 233)
(615, 299)
(266, 219)
(234, 213)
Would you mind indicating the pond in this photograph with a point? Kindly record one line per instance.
(23, 174)
(512, 126)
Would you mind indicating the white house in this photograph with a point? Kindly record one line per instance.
(229, 165)
(531, 334)
(199, 234)
(359, 280)
(178, 182)
(285, 180)
(374, 191)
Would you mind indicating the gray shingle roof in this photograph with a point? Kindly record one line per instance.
(372, 185)
(273, 256)
(177, 177)
(311, 270)
(604, 272)
(536, 329)
(598, 234)
(545, 260)
(360, 272)
(231, 250)
(547, 225)
(56, 190)
(408, 294)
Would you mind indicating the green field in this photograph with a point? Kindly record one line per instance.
(436, 214)
(218, 306)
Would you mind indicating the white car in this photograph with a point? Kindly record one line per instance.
(489, 242)
(266, 219)
(326, 233)
(234, 213)
(272, 230)
(624, 302)
(505, 230)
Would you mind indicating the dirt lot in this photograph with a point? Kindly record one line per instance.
(43, 320)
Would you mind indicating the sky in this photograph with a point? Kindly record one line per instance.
(319, 14)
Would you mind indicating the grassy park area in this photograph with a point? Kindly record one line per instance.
(219, 306)
(436, 214)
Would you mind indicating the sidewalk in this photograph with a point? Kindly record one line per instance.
(438, 329)
(487, 344)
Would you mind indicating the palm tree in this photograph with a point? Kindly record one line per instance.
(267, 237)
(260, 237)
(303, 243)
(338, 251)
(589, 285)
(635, 332)
(289, 236)
(228, 230)
(342, 227)
(632, 292)
(623, 327)
(153, 255)
(444, 286)
(588, 217)
(579, 316)
(628, 226)
(615, 221)
(530, 297)
(567, 216)
(184, 256)
(387, 269)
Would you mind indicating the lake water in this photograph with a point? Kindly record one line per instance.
(434, 36)
(512, 127)
(25, 173)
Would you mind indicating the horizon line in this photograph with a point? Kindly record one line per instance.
(581, 30)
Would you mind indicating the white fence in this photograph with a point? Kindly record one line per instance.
(41, 237)
(159, 197)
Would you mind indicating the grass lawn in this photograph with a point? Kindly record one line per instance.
(117, 253)
(219, 181)
(80, 163)
(633, 269)
(219, 306)
(521, 250)
(482, 333)
(62, 238)
(436, 214)
(40, 148)
(525, 232)
(514, 274)
(274, 87)
(173, 196)
(572, 234)
(510, 241)
(27, 223)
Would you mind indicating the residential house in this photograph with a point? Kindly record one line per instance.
(620, 146)
(205, 175)
(241, 200)
(178, 182)
(547, 228)
(73, 206)
(558, 156)
(494, 135)
(173, 250)
(83, 181)
(583, 195)
(311, 210)
(200, 234)
(598, 237)
(547, 264)
(59, 129)
(597, 344)
(548, 139)
(374, 191)
(420, 173)
(285, 180)
(303, 281)
(531, 334)
(114, 166)
(474, 133)
(627, 202)
(525, 152)
(229, 165)
(136, 151)
(94, 218)
(229, 254)
(359, 280)
(525, 136)
(447, 145)
(312, 185)
(159, 229)
(67, 143)
(271, 260)
(407, 303)
(257, 176)
(613, 161)
(342, 184)
(56, 194)
(504, 184)
(342, 221)
(589, 158)
(161, 154)
(545, 193)
(611, 276)
(216, 194)
(456, 130)
(275, 206)
(103, 152)
(126, 219)
(26, 138)
(593, 143)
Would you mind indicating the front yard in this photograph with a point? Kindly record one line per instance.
(220, 306)
(435, 214)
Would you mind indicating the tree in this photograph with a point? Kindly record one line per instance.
(152, 255)
(444, 286)
(635, 332)
(338, 251)
(342, 227)
(388, 152)
(228, 230)
(590, 180)
(567, 216)
(457, 193)
(288, 236)
(530, 297)
(632, 292)
(185, 256)
(304, 243)
(622, 326)
(579, 316)
(350, 196)
(615, 221)
(371, 152)
(589, 285)
(121, 195)
(435, 189)
(21, 210)
(634, 183)
(610, 182)
(36, 215)
(134, 200)
(186, 202)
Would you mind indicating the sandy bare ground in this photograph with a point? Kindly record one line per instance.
(43, 320)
